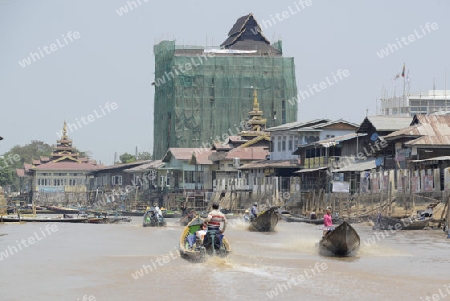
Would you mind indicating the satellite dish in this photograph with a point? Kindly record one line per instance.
(378, 161)
(374, 136)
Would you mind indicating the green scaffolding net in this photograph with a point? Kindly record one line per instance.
(202, 96)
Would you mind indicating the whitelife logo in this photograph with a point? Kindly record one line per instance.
(34, 56)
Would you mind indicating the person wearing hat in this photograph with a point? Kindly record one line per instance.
(254, 211)
(247, 216)
(327, 222)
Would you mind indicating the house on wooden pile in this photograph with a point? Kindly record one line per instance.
(418, 155)
(114, 180)
(185, 169)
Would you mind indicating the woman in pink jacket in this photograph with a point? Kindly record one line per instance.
(327, 221)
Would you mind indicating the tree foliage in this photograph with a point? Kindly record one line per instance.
(145, 156)
(27, 153)
(127, 158)
(6, 177)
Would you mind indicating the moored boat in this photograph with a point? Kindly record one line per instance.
(342, 241)
(388, 223)
(191, 242)
(132, 213)
(16, 219)
(265, 221)
(58, 209)
(170, 213)
(185, 219)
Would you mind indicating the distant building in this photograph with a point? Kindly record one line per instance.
(203, 93)
(286, 138)
(431, 101)
(61, 177)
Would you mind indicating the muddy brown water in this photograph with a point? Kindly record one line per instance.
(129, 262)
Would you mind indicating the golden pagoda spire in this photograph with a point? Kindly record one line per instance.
(64, 136)
(255, 101)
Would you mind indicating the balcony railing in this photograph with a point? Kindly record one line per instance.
(318, 162)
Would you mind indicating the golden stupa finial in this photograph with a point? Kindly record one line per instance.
(255, 100)
(64, 136)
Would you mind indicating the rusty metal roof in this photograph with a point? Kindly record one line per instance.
(429, 130)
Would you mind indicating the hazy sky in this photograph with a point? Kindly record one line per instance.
(100, 77)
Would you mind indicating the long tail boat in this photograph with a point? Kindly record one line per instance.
(265, 221)
(191, 246)
(342, 241)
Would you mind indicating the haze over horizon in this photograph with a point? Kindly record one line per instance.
(93, 63)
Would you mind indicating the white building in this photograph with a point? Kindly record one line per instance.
(287, 137)
(428, 102)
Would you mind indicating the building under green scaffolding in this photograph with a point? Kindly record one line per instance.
(204, 94)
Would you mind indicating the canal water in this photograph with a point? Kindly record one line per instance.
(129, 262)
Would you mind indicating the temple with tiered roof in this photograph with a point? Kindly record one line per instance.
(63, 172)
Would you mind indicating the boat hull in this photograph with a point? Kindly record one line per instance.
(151, 221)
(266, 221)
(343, 241)
(198, 253)
(42, 220)
(388, 223)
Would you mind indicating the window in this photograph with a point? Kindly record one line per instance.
(291, 142)
(200, 177)
(116, 180)
(279, 145)
(283, 145)
(230, 165)
(189, 177)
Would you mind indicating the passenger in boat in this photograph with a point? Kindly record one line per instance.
(198, 236)
(327, 222)
(201, 233)
(254, 211)
(313, 214)
(428, 212)
(157, 210)
(247, 216)
(217, 223)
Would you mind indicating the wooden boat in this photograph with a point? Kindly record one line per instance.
(132, 213)
(12, 219)
(265, 221)
(198, 252)
(117, 219)
(388, 223)
(97, 220)
(342, 241)
(58, 209)
(151, 220)
(171, 214)
(185, 219)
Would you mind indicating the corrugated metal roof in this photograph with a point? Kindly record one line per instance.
(331, 141)
(146, 166)
(314, 125)
(248, 153)
(311, 170)
(358, 166)
(441, 158)
(294, 125)
(271, 163)
(429, 130)
(385, 123)
(67, 166)
(179, 153)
